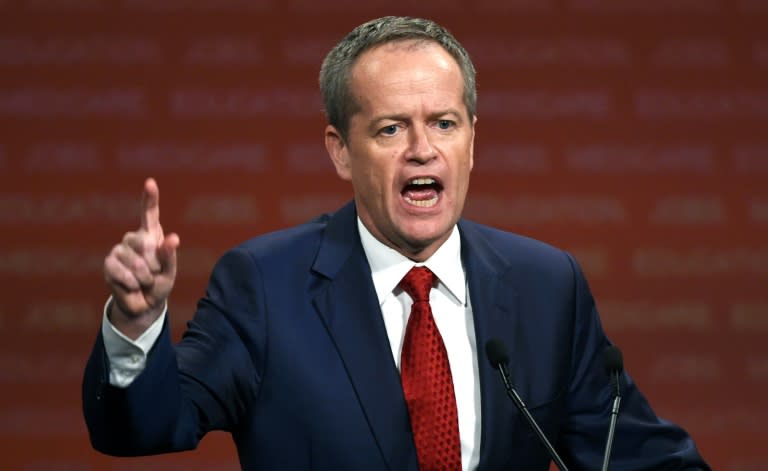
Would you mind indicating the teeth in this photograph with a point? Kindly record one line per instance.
(422, 181)
(422, 203)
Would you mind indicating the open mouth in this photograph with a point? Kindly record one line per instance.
(422, 192)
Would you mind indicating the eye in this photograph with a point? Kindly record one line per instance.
(445, 124)
(390, 130)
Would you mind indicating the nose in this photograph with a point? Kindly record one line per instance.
(420, 147)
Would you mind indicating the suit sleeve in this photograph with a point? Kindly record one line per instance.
(205, 383)
(643, 441)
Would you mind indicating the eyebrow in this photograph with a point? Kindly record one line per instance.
(401, 117)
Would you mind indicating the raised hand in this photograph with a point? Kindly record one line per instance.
(141, 269)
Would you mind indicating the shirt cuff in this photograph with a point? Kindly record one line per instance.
(128, 358)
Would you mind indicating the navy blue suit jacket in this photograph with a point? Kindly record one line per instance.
(288, 352)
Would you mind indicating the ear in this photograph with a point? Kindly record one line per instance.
(338, 151)
(472, 144)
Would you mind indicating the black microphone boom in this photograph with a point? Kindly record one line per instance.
(497, 355)
(614, 365)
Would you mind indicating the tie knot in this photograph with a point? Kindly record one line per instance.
(417, 283)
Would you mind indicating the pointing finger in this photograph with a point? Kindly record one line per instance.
(150, 208)
(166, 253)
(143, 244)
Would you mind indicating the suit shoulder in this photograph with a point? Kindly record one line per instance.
(288, 243)
(505, 239)
(515, 249)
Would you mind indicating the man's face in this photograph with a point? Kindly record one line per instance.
(409, 148)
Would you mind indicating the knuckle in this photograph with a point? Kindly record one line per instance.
(128, 280)
(137, 265)
(111, 267)
(115, 252)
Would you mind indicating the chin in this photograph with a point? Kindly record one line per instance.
(423, 239)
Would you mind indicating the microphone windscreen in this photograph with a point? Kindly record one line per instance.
(496, 351)
(612, 359)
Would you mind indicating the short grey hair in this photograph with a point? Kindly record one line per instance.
(335, 72)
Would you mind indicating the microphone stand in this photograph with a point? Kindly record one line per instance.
(614, 416)
(524, 410)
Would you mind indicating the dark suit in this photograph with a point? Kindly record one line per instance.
(288, 352)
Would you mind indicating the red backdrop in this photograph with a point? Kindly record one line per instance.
(632, 133)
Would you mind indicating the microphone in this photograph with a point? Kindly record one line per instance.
(614, 365)
(497, 355)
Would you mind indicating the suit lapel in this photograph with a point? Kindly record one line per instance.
(347, 304)
(495, 311)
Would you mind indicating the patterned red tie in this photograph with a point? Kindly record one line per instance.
(427, 382)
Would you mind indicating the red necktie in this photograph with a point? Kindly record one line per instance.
(427, 383)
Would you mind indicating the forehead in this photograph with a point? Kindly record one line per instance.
(405, 68)
(382, 57)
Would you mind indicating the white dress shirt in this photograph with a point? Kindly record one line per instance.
(128, 358)
(453, 315)
(450, 306)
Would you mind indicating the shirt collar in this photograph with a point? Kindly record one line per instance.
(388, 266)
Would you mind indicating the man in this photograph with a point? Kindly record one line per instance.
(314, 354)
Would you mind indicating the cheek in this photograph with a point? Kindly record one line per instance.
(367, 183)
(463, 164)
(374, 170)
(378, 173)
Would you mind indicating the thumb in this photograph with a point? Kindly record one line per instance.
(166, 253)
